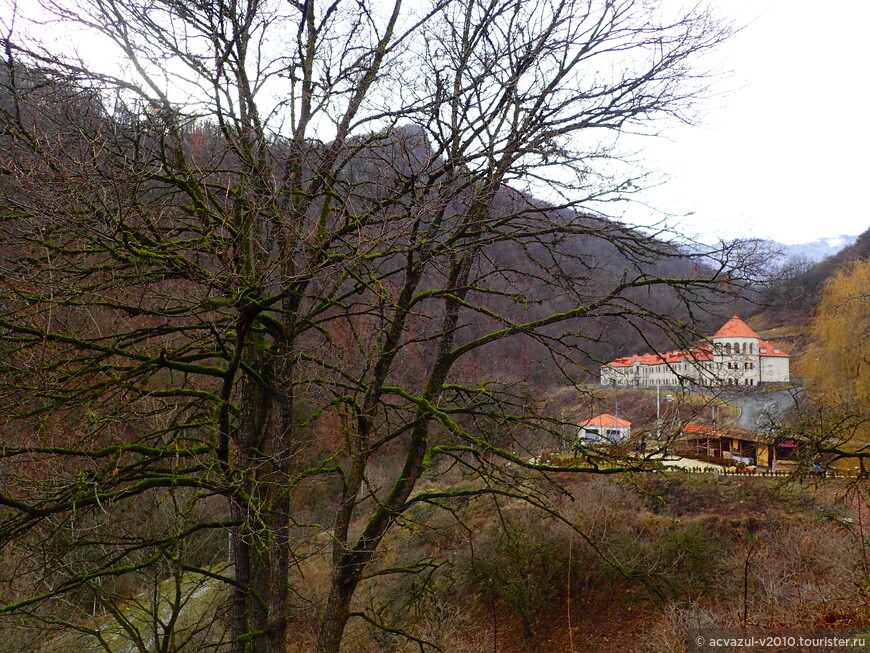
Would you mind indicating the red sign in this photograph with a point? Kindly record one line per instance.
(787, 443)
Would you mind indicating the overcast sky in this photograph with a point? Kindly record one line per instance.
(784, 155)
(782, 150)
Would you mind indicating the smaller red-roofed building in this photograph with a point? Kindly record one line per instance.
(605, 429)
(730, 444)
(733, 356)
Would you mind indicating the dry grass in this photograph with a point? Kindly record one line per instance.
(659, 554)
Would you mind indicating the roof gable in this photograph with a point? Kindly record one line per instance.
(766, 349)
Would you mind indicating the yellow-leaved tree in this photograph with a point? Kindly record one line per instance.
(837, 365)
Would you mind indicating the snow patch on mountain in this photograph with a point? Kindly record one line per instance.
(814, 251)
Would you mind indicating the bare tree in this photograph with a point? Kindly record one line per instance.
(281, 253)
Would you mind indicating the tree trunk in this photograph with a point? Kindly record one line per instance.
(242, 572)
(527, 627)
(337, 613)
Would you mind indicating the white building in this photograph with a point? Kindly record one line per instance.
(734, 355)
(605, 429)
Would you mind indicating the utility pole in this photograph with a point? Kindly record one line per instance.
(658, 413)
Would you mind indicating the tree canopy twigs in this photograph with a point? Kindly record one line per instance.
(270, 248)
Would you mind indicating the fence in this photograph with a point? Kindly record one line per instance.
(765, 472)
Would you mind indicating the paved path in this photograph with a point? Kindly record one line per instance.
(759, 409)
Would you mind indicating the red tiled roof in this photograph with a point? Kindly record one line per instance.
(735, 328)
(766, 349)
(628, 361)
(625, 361)
(712, 431)
(670, 357)
(606, 419)
(702, 354)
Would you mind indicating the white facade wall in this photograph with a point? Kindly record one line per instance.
(661, 374)
(774, 369)
(706, 372)
(618, 375)
(738, 360)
